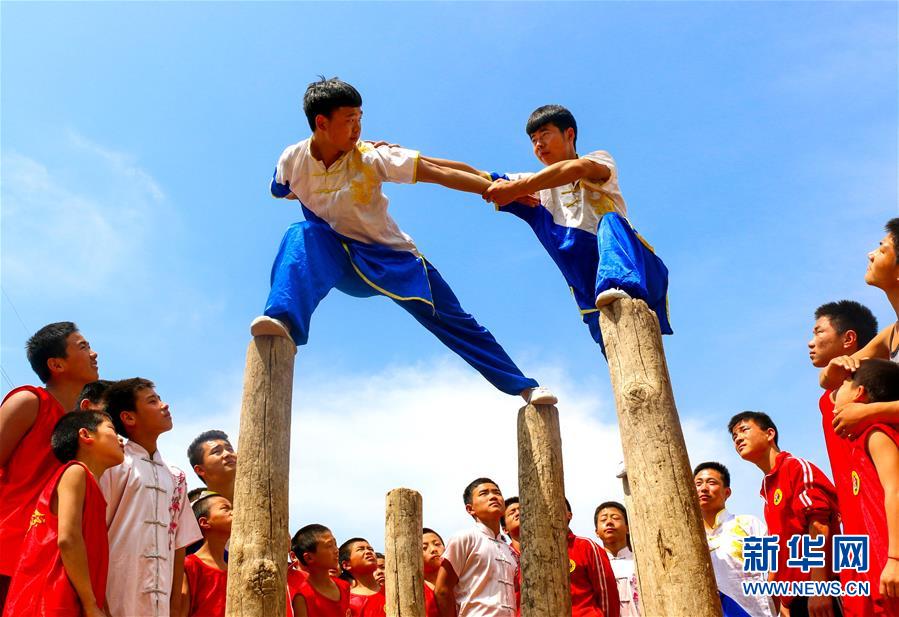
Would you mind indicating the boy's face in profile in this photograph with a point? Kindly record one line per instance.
(106, 444)
(219, 518)
(379, 573)
(343, 129)
(826, 343)
(80, 362)
(883, 271)
(219, 462)
(487, 503)
(326, 553)
(750, 441)
(551, 145)
(151, 414)
(849, 392)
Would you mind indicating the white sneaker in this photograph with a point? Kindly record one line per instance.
(542, 396)
(269, 326)
(610, 295)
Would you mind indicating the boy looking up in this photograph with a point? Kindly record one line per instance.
(320, 595)
(581, 221)
(477, 576)
(350, 242)
(64, 558)
(214, 461)
(148, 515)
(594, 591)
(511, 523)
(875, 471)
(799, 499)
(204, 587)
(65, 363)
(358, 565)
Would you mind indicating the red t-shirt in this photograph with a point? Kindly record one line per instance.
(25, 475)
(208, 588)
(318, 605)
(796, 493)
(594, 590)
(867, 495)
(376, 606)
(40, 586)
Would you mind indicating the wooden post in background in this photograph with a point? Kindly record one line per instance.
(404, 577)
(257, 554)
(672, 552)
(544, 525)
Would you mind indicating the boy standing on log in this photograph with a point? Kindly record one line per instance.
(350, 242)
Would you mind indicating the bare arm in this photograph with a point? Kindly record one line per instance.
(17, 415)
(885, 455)
(819, 606)
(299, 605)
(551, 176)
(185, 598)
(456, 165)
(72, 549)
(839, 369)
(847, 420)
(451, 178)
(177, 577)
(444, 589)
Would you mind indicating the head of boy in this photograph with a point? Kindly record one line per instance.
(357, 557)
(553, 133)
(213, 458)
(59, 351)
(484, 501)
(213, 514)
(875, 381)
(334, 111)
(87, 436)
(754, 434)
(432, 549)
(93, 396)
(511, 520)
(315, 547)
(136, 409)
(380, 573)
(883, 262)
(841, 328)
(610, 520)
(712, 482)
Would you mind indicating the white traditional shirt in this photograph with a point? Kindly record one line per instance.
(148, 518)
(582, 203)
(487, 568)
(347, 195)
(626, 576)
(726, 547)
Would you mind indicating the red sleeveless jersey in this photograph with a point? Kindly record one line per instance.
(40, 586)
(376, 606)
(208, 588)
(318, 605)
(25, 475)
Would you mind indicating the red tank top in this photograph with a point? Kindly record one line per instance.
(208, 588)
(376, 605)
(25, 475)
(318, 605)
(40, 585)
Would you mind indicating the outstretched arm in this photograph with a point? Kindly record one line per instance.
(451, 177)
(551, 176)
(457, 165)
(840, 368)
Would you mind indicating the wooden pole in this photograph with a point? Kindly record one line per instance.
(673, 556)
(544, 524)
(403, 563)
(257, 554)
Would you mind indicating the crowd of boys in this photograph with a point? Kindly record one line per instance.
(95, 522)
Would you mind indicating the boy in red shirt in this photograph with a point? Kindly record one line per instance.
(594, 590)
(65, 555)
(799, 499)
(205, 583)
(358, 564)
(65, 362)
(320, 595)
(874, 465)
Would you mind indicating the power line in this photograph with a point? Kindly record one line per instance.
(6, 377)
(8, 299)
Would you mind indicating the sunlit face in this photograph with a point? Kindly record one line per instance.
(750, 441)
(432, 551)
(487, 503)
(379, 573)
(343, 128)
(107, 444)
(512, 518)
(326, 553)
(883, 271)
(827, 344)
(711, 490)
(80, 363)
(219, 462)
(611, 527)
(220, 516)
(552, 145)
(362, 559)
(151, 414)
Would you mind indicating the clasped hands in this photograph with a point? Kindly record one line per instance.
(503, 192)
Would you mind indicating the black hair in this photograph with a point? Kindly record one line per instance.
(201, 502)
(48, 342)
(469, 490)
(762, 419)
(715, 466)
(425, 530)
(306, 540)
(609, 504)
(195, 449)
(64, 439)
(880, 379)
(326, 95)
(556, 115)
(343, 554)
(95, 392)
(122, 396)
(568, 505)
(892, 228)
(194, 493)
(379, 556)
(509, 502)
(845, 315)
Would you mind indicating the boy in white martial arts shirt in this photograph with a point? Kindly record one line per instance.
(148, 515)
(477, 576)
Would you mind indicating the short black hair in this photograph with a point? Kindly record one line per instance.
(95, 391)
(609, 504)
(469, 490)
(379, 556)
(567, 505)
(194, 493)
(306, 540)
(892, 228)
(880, 379)
(509, 502)
(556, 115)
(326, 95)
(343, 554)
(762, 419)
(48, 342)
(425, 530)
(64, 439)
(715, 466)
(122, 396)
(200, 502)
(195, 449)
(845, 315)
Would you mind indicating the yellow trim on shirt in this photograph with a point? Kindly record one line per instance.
(415, 169)
(381, 289)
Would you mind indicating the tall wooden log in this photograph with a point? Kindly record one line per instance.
(672, 553)
(403, 563)
(257, 555)
(544, 525)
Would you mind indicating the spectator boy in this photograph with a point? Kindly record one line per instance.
(594, 591)
(357, 567)
(214, 461)
(610, 520)
(204, 587)
(320, 595)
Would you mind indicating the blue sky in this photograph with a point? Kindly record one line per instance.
(757, 148)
